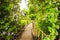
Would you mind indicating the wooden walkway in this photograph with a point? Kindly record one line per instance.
(27, 34)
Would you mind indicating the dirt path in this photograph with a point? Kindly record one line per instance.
(27, 35)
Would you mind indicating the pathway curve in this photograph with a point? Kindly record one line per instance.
(27, 35)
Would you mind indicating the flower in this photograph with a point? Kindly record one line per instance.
(4, 33)
(12, 33)
(9, 33)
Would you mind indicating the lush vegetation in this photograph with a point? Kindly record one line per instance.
(9, 19)
(45, 14)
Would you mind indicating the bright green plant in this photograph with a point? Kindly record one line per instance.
(45, 13)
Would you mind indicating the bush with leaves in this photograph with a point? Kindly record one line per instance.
(46, 15)
(9, 19)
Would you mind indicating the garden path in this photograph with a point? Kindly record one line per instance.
(27, 34)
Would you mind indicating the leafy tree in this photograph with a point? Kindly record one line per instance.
(45, 13)
(9, 19)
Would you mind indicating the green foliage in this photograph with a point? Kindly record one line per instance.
(45, 13)
(24, 22)
(9, 18)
